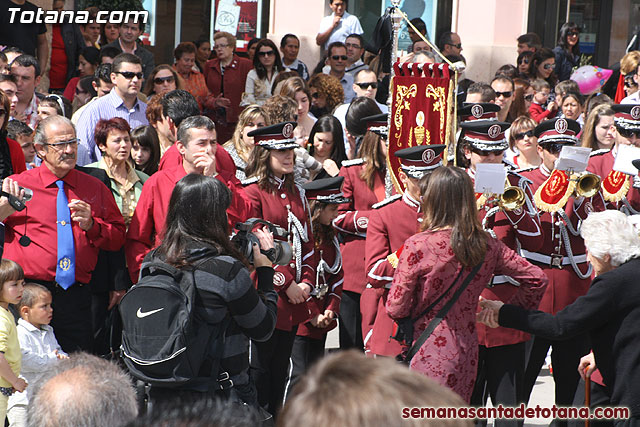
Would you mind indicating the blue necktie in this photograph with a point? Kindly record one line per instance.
(66, 266)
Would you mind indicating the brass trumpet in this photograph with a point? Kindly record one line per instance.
(587, 184)
(512, 198)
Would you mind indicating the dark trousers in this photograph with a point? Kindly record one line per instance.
(500, 375)
(269, 364)
(350, 324)
(306, 351)
(565, 358)
(599, 397)
(72, 321)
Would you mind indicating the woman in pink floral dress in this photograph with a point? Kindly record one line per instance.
(452, 239)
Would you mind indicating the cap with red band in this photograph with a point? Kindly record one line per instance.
(420, 160)
(557, 131)
(328, 190)
(486, 135)
(627, 116)
(378, 124)
(478, 111)
(275, 137)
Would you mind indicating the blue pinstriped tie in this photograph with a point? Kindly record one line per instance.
(66, 266)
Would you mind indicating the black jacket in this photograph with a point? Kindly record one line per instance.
(73, 45)
(565, 63)
(610, 312)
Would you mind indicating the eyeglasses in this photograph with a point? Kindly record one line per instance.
(486, 153)
(129, 75)
(366, 85)
(457, 46)
(524, 61)
(220, 46)
(551, 147)
(267, 53)
(160, 80)
(355, 46)
(62, 145)
(339, 57)
(505, 94)
(548, 66)
(572, 33)
(519, 136)
(628, 133)
(529, 97)
(629, 83)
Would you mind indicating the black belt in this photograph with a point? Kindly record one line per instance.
(53, 285)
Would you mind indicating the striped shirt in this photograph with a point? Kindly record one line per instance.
(107, 107)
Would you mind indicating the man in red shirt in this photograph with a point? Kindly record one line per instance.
(33, 234)
(197, 146)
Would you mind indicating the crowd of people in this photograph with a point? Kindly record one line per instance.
(124, 162)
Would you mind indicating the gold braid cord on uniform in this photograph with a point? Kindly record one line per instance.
(554, 193)
(615, 186)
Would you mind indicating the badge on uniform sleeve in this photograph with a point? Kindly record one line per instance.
(278, 279)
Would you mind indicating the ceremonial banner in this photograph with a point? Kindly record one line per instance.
(421, 108)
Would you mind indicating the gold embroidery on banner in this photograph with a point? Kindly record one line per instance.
(419, 130)
(402, 103)
(440, 105)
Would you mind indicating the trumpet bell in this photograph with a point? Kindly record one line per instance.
(587, 185)
(512, 198)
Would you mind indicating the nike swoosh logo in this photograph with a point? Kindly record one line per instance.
(142, 314)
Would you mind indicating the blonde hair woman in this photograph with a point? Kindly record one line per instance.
(240, 145)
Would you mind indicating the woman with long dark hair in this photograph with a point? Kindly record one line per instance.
(197, 233)
(276, 198)
(542, 66)
(567, 51)
(327, 146)
(451, 244)
(266, 66)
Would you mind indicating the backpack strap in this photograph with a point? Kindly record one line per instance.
(442, 313)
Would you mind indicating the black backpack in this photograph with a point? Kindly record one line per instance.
(162, 343)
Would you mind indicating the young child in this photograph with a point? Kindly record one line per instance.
(4, 64)
(23, 134)
(324, 196)
(12, 283)
(564, 87)
(537, 110)
(38, 345)
(145, 149)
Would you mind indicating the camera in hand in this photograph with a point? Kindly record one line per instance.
(16, 203)
(244, 239)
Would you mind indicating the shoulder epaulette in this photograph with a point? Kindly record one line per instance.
(509, 164)
(599, 152)
(353, 162)
(248, 181)
(386, 201)
(519, 171)
(521, 178)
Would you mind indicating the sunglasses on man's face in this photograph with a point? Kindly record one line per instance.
(519, 136)
(160, 80)
(129, 75)
(487, 153)
(457, 46)
(505, 94)
(339, 57)
(551, 147)
(629, 84)
(628, 133)
(366, 85)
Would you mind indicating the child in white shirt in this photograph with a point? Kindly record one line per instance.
(39, 347)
